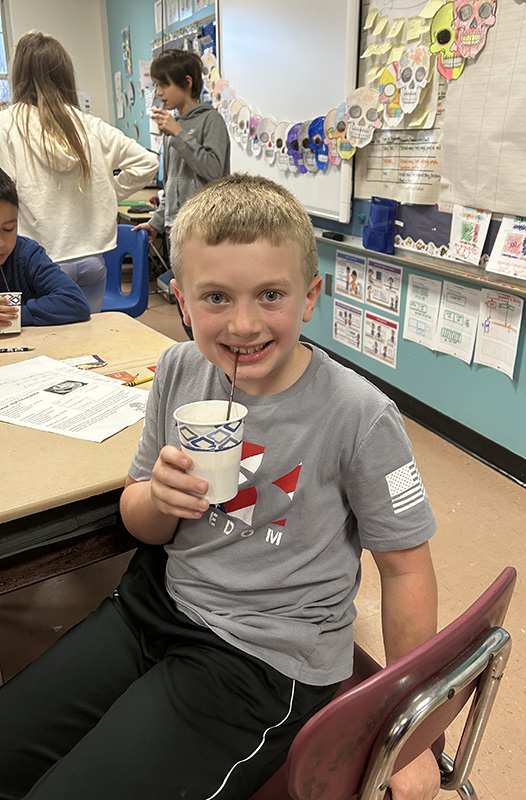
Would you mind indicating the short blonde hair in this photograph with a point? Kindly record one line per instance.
(241, 209)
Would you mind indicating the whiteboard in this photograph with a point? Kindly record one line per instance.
(292, 60)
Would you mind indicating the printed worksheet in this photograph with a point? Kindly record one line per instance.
(421, 310)
(380, 338)
(457, 321)
(498, 330)
(383, 286)
(347, 324)
(350, 275)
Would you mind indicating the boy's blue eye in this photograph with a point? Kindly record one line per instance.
(216, 298)
(271, 296)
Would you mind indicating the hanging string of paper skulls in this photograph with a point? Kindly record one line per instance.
(458, 31)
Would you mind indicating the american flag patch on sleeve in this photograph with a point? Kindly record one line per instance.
(405, 487)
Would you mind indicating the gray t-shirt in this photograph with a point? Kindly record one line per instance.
(327, 469)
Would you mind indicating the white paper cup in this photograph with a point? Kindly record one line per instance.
(214, 444)
(15, 299)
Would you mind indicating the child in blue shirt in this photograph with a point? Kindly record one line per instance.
(49, 296)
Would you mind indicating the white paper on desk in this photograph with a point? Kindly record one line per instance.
(457, 321)
(47, 395)
(498, 330)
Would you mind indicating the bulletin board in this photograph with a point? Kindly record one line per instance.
(292, 61)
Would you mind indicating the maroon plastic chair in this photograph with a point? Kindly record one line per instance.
(381, 719)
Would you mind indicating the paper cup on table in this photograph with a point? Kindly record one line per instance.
(15, 299)
(214, 444)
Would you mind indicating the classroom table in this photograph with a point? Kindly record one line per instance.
(59, 495)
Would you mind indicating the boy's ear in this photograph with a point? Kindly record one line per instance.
(181, 301)
(313, 293)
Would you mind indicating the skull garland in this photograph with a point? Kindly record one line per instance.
(328, 130)
(233, 112)
(362, 116)
(280, 140)
(209, 63)
(309, 157)
(471, 21)
(243, 125)
(389, 95)
(413, 73)
(450, 63)
(317, 142)
(293, 149)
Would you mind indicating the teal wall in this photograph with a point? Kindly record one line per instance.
(139, 17)
(481, 398)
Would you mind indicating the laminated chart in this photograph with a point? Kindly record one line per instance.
(350, 275)
(347, 324)
(457, 321)
(498, 330)
(383, 286)
(380, 338)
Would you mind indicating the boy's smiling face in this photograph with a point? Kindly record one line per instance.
(249, 298)
(8, 229)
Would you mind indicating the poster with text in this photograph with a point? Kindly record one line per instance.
(380, 338)
(421, 309)
(457, 321)
(383, 286)
(508, 254)
(498, 330)
(347, 324)
(350, 275)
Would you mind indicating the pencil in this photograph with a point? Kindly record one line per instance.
(141, 380)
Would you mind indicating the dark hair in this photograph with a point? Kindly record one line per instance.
(8, 192)
(174, 65)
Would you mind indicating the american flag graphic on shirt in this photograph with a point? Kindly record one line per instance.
(405, 487)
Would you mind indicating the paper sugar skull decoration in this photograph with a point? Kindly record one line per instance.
(413, 73)
(243, 125)
(233, 112)
(217, 87)
(471, 21)
(266, 129)
(253, 140)
(293, 149)
(213, 78)
(330, 141)
(309, 157)
(449, 61)
(317, 142)
(345, 149)
(209, 63)
(280, 142)
(362, 115)
(389, 95)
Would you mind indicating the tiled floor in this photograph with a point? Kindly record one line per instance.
(481, 525)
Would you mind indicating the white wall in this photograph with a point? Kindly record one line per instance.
(81, 26)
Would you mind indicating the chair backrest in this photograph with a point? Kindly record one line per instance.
(329, 756)
(133, 244)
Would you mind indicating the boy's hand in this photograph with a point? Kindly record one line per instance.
(150, 230)
(172, 490)
(7, 312)
(167, 124)
(419, 780)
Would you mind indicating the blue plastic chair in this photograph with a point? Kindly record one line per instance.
(128, 244)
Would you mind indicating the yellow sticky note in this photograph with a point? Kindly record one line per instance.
(429, 10)
(369, 51)
(419, 119)
(414, 28)
(374, 73)
(396, 52)
(396, 27)
(371, 19)
(381, 25)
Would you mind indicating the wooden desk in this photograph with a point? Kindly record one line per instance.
(56, 487)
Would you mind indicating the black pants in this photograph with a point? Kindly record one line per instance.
(137, 702)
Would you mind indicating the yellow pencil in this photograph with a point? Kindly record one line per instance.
(141, 380)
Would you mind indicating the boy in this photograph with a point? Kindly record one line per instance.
(196, 145)
(49, 296)
(233, 624)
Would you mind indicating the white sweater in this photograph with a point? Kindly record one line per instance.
(70, 221)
